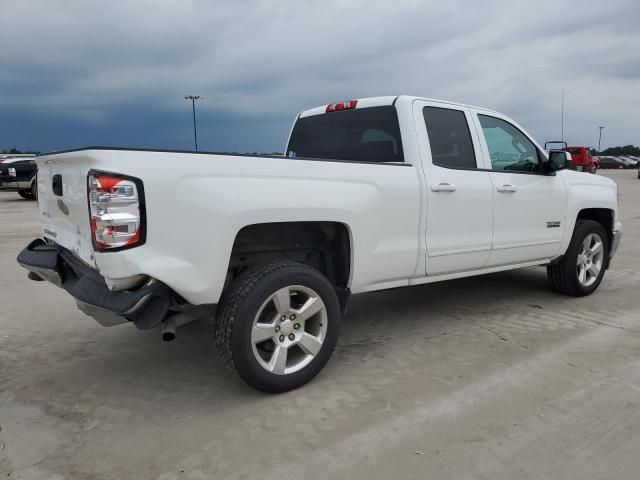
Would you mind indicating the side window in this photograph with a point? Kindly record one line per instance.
(509, 148)
(449, 137)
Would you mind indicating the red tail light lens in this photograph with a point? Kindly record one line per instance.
(347, 105)
(116, 209)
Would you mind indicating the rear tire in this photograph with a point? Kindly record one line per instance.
(26, 194)
(583, 265)
(277, 325)
(34, 191)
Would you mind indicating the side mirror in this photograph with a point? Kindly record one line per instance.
(558, 160)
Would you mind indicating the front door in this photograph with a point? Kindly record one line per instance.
(459, 195)
(530, 206)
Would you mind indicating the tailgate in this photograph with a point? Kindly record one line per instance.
(64, 213)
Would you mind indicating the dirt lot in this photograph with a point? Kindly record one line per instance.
(491, 377)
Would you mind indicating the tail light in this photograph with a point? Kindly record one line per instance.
(335, 107)
(116, 210)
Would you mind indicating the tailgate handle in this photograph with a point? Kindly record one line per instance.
(56, 184)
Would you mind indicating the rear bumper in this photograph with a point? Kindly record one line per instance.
(11, 184)
(146, 306)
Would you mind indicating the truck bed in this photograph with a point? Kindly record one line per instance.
(196, 202)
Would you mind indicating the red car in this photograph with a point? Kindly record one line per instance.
(582, 159)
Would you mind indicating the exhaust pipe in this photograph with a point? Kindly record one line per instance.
(169, 330)
(170, 324)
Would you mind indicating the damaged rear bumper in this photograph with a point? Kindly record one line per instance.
(146, 306)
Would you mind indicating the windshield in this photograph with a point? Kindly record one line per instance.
(362, 135)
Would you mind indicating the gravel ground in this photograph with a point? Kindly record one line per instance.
(491, 377)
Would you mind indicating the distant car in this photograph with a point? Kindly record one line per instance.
(627, 162)
(582, 159)
(637, 159)
(19, 175)
(610, 162)
(630, 160)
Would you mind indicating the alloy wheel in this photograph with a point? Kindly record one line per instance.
(590, 259)
(289, 330)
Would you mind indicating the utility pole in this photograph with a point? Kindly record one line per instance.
(193, 99)
(562, 122)
(600, 138)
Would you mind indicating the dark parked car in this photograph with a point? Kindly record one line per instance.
(611, 162)
(19, 175)
(627, 162)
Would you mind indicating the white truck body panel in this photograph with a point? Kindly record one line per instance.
(226, 193)
(405, 226)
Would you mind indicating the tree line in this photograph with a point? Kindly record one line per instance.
(15, 151)
(626, 150)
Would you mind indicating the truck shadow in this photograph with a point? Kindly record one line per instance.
(123, 359)
(17, 199)
(132, 383)
(481, 292)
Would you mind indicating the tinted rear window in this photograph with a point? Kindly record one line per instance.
(362, 135)
(575, 151)
(449, 137)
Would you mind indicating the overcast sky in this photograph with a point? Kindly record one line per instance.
(89, 72)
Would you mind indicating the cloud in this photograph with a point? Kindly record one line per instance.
(100, 66)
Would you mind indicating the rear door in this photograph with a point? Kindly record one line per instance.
(459, 194)
(530, 207)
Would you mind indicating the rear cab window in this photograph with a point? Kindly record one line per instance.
(450, 138)
(370, 134)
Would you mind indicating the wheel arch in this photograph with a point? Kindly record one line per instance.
(602, 215)
(324, 245)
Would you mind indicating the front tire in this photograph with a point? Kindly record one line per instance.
(277, 325)
(582, 268)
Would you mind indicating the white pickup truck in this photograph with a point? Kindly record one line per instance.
(371, 194)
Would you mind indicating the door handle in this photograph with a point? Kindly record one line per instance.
(507, 189)
(443, 187)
